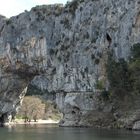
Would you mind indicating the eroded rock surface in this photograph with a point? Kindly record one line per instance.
(66, 48)
(136, 126)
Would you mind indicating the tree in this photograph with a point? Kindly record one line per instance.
(32, 108)
(124, 76)
(134, 68)
(118, 76)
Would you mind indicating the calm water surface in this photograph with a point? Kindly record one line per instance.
(52, 132)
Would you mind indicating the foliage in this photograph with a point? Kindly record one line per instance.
(136, 51)
(105, 95)
(99, 84)
(134, 67)
(35, 108)
(97, 61)
(72, 6)
(32, 108)
(124, 77)
(118, 76)
(52, 112)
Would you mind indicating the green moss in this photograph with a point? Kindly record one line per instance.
(99, 85)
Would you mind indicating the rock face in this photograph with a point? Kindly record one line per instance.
(84, 109)
(136, 126)
(64, 51)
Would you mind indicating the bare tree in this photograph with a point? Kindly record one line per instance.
(32, 108)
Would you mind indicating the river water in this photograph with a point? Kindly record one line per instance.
(52, 132)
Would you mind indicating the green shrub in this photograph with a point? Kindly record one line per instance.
(124, 77)
(72, 6)
(136, 51)
(118, 76)
(99, 85)
(105, 95)
(97, 61)
(134, 68)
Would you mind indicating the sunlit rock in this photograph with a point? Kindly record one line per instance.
(64, 50)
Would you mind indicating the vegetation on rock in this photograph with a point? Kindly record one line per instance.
(134, 68)
(34, 108)
(124, 77)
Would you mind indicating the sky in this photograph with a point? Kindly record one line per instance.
(10, 8)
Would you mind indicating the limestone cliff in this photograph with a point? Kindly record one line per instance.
(64, 51)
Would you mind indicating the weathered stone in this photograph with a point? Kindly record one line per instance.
(64, 51)
(136, 125)
(83, 109)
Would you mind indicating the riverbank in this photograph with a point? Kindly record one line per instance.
(21, 121)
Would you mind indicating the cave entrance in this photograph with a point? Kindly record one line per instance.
(109, 39)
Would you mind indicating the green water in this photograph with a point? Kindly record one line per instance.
(48, 132)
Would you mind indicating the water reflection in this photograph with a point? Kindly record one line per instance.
(53, 132)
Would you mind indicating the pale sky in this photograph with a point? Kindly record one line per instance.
(10, 8)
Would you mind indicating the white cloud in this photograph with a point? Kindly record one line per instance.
(10, 8)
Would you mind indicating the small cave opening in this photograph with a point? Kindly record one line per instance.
(2, 120)
(109, 39)
(6, 118)
(75, 110)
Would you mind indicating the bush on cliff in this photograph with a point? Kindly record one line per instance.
(118, 76)
(134, 68)
(124, 77)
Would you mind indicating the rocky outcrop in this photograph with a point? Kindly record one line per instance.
(136, 126)
(84, 109)
(64, 51)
